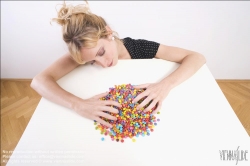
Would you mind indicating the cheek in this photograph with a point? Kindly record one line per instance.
(115, 52)
(112, 53)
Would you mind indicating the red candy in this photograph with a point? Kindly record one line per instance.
(130, 121)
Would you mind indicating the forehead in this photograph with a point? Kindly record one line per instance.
(88, 54)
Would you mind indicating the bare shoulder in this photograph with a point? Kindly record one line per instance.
(66, 59)
(60, 67)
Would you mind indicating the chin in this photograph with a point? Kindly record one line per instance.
(115, 62)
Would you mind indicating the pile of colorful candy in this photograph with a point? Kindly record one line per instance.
(130, 122)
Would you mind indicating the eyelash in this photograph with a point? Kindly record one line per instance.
(103, 53)
(99, 55)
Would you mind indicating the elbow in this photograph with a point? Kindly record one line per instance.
(202, 59)
(38, 82)
(34, 83)
(196, 58)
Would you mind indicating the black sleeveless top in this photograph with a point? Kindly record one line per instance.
(140, 48)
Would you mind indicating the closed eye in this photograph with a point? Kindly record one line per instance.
(103, 52)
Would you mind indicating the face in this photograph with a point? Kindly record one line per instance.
(105, 53)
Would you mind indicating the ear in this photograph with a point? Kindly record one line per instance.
(110, 31)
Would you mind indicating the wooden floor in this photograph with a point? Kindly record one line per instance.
(238, 95)
(18, 102)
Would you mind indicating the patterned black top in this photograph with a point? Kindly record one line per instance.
(140, 48)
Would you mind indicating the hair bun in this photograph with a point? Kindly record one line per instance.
(67, 11)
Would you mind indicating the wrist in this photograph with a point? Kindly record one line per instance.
(168, 83)
(77, 104)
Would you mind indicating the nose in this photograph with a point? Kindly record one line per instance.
(102, 62)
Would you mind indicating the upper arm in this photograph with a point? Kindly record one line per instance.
(59, 68)
(171, 53)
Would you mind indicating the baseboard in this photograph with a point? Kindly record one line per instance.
(233, 80)
(16, 79)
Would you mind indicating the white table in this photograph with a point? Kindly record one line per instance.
(197, 123)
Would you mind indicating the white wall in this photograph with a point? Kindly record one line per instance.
(218, 30)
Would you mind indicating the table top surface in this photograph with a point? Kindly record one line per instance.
(196, 123)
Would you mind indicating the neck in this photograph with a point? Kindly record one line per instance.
(122, 51)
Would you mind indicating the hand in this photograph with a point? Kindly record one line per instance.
(93, 108)
(155, 92)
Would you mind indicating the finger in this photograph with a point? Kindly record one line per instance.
(141, 86)
(158, 107)
(107, 116)
(109, 109)
(100, 95)
(140, 96)
(154, 103)
(110, 102)
(144, 103)
(103, 122)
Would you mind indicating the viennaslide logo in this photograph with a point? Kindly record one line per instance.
(233, 155)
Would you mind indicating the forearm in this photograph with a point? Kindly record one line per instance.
(187, 68)
(48, 88)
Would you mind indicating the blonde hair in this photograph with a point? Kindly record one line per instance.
(81, 28)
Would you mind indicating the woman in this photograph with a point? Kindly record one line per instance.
(91, 40)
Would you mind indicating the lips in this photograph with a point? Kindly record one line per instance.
(111, 63)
